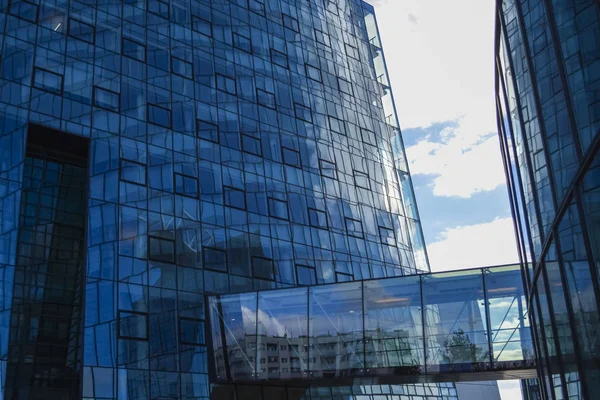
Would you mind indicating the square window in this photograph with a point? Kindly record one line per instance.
(337, 125)
(106, 99)
(160, 249)
(352, 51)
(182, 67)
(279, 58)
(201, 25)
(133, 172)
(235, 198)
(361, 180)
(159, 115)
(191, 331)
(354, 227)
(214, 259)
(226, 84)
(265, 98)
(186, 185)
(313, 73)
(317, 218)
(303, 112)
(242, 42)
(345, 86)
(387, 236)
(328, 169)
(159, 8)
(251, 145)
(134, 50)
(291, 157)
(133, 325)
(263, 268)
(207, 131)
(307, 275)
(48, 81)
(258, 6)
(368, 136)
(278, 208)
(81, 30)
(322, 38)
(291, 23)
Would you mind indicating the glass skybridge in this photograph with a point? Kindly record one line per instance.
(452, 326)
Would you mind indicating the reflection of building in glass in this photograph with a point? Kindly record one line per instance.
(548, 85)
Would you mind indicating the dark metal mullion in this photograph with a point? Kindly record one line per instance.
(488, 321)
(570, 312)
(423, 326)
(529, 168)
(544, 277)
(541, 348)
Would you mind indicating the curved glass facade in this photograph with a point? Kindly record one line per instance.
(548, 104)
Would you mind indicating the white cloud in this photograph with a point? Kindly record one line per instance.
(480, 245)
(466, 161)
(510, 390)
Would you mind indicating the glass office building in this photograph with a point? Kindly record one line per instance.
(153, 152)
(548, 103)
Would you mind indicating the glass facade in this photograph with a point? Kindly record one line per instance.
(156, 151)
(548, 104)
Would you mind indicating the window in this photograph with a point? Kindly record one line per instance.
(368, 136)
(354, 227)
(201, 25)
(251, 145)
(352, 51)
(265, 98)
(207, 131)
(134, 50)
(182, 67)
(133, 325)
(191, 331)
(133, 172)
(387, 236)
(345, 86)
(291, 23)
(226, 84)
(328, 169)
(313, 73)
(302, 112)
(106, 99)
(186, 185)
(242, 42)
(322, 38)
(307, 275)
(159, 115)
(161, 249)
(48, 81)
(361, 180)
(279, 58)
(337, 125)
(258, 6)
(81, 30)
(278, 208)
(317, 218)
(263, 268)
(235, 198)
(284, 360)
(159, 8)
(214, 259)
(291, 157)
(341, 277)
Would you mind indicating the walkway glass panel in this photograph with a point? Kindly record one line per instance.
(458, 322)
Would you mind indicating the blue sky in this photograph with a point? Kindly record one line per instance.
(440, 57)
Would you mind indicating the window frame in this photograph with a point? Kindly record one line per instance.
(356, 173)
(318, 211)
(204, 263)
(93, 27)
(139, 313)
(175, 58)
(163, 239)
(148, 108)
(245, 150)
(94, 97)
(200, 321)
(259, 91)
(302, 106)
(121, 179)
(254, 275)
(199, 121)
(225, 188)
(58, 92)
(283, 55)
(272, 214)
(239, 35)
(283, 148)
(353, 233)
(123, 53)
(311, 268)
(184, 176)
(196, 18)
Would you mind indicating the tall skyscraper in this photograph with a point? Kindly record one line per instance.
(153, 152)
(548, 103)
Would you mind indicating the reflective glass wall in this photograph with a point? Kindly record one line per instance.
(547, 87)
(234, 146)
(465, 321)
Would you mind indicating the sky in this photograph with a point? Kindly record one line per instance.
(440, 58)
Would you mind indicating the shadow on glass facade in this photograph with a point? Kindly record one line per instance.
(411, 328)
(548, 103)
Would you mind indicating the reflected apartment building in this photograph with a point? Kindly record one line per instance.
(156, 151)
(548, 104)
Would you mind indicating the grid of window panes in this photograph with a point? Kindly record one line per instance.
(548, 80)
(234, 146)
